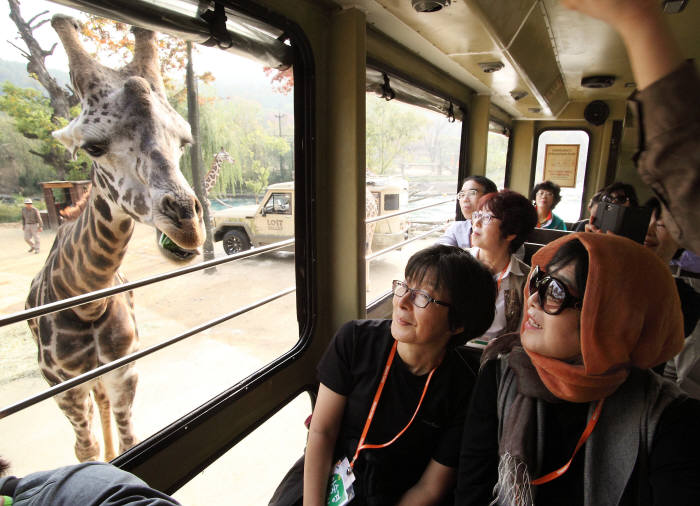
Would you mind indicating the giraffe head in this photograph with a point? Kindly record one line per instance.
(133, 135)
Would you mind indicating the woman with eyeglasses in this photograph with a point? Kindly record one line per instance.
(546, 196)
(459, 232)
(393, 393)
(499, 227)
(568, 410)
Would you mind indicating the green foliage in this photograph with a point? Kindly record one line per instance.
(20, 171)
(391, 129)
(261, 176)
(10, 213)
(33, 118)
(240, 127)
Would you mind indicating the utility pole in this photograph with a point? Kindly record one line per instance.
(279, 123)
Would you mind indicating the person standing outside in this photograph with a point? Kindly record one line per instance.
(459, 232)
(31, 224)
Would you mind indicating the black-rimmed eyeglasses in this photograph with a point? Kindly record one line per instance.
(418, 297)
(553, 293)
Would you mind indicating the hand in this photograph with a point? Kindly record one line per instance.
(590, 227)
(617, 13)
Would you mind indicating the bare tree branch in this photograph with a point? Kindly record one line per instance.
(29, 23)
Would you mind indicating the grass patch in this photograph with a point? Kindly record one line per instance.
(10, 213)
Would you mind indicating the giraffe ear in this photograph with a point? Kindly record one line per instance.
(66, 137)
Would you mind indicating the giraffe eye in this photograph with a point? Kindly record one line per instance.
(95, 149)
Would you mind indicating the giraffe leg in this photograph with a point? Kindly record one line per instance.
(121, 388)
(104, 409)
(76, 404)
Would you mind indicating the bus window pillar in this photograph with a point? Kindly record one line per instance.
(522, 171)
(341, 229)
(478, 134)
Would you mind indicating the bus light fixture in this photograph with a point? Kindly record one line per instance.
(430, 5)
(674, 6)
(491, 66)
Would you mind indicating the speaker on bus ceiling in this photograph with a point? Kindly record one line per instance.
(596, 112)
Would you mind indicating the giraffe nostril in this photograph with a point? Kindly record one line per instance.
(184, 208)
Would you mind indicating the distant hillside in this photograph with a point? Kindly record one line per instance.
(16, 73)
(225, 85)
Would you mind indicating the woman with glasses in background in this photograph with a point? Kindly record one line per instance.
(546, 196)
(567, 411)
(406, 450)
(619, 193)
(459, 232)
(499, 227)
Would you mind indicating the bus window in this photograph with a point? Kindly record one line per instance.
(497, 154)
(250, 471)
(561, 158)
(412, 160)
(246, 129)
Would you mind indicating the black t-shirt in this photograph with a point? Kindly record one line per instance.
(352, 366)
(673, 466)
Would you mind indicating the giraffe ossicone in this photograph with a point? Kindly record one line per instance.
(135, 140)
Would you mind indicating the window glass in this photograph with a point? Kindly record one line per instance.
(496, 155)
(412, 160)
(246, 126)
(391, 202)
(250, 471)
(566, 152)
(279, 203)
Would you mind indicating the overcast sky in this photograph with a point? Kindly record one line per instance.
(205, 58)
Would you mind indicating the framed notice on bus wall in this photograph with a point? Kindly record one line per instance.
(561, 163)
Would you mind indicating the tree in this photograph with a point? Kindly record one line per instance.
(34, 119)
(60, 101)
(282, 80)
(391, 129)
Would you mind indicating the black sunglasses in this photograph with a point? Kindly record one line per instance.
(553, 294)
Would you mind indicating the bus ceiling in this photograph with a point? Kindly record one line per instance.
(207, 23)
(530, 56)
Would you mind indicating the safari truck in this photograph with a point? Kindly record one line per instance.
(273, 220)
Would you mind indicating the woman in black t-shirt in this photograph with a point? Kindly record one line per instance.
(447, 298)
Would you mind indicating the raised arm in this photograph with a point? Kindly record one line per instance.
(652, 50)
(323, 433)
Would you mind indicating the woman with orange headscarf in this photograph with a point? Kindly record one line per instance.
(567, 411)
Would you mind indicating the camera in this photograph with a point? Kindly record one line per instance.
(631, 222)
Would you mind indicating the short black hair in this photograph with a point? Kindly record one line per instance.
(627, 189)
(488, 185)
(572, 251)
(516, 213)
(470, 286)
(655, 205)
(550, 187)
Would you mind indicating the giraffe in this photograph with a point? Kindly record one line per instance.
(134, 138)
(371, 210)
(219, 159)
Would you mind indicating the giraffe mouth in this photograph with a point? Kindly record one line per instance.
(181, 220)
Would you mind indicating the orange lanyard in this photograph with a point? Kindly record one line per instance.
(500, 278)
(548, 218)
(361, 444)
(586, 433)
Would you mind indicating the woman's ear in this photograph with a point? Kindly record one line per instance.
(510, 237)
(456, 331)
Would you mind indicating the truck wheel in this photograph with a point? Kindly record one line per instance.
(235, 241)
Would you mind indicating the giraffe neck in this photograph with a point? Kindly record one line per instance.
(212, 175)
(89, 252)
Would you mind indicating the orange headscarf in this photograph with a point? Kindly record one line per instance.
(631, 317)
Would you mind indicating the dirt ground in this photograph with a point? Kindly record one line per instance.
(173, 381)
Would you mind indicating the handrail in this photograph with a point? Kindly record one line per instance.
(52, 307)
(398, 213)
(127, 359)
(402, 243)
